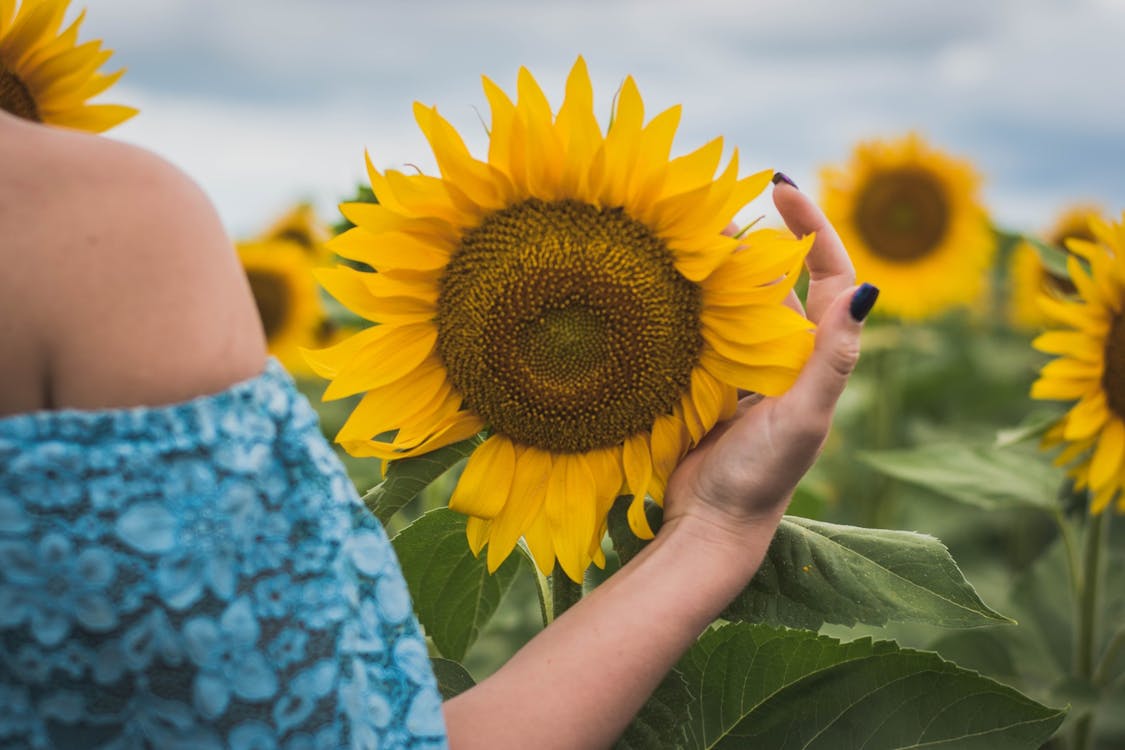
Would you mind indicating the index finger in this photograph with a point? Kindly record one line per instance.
(830, 269)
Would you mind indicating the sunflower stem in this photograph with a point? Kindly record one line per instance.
(1066, 531)
(1109, 658)
(880, 508)
(565, 593)
(1087, 619)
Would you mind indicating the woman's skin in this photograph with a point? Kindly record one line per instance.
(120, 288)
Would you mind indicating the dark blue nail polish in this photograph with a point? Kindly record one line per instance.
(862, 301)
(779, 177)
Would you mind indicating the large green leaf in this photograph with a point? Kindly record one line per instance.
(757, 686)
(454, 595)
(986, 477)
(661, 722)
(817, 572)
(407, 477)
(452, 678)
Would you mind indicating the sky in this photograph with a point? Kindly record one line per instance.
(266, 102)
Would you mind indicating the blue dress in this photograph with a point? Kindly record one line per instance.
(200, 575)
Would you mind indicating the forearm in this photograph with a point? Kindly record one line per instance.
(580, 681)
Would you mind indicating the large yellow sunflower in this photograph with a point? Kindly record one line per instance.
(910, 218)
(1029, 278)
(288, 299)
(46, 76)
(574, 295)
(1091, 364)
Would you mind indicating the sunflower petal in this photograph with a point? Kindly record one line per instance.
(486, 482)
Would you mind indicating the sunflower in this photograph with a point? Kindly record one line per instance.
(1029, 277)
(573, 295)
(288, 300)
(301, 226)
(911, 221)
(1091, 364)
(45, 76)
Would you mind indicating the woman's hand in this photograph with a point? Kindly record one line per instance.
(743, 473)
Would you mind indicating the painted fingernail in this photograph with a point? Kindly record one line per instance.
(862, 301)
(779, 177)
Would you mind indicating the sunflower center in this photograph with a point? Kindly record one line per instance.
(296, 236)
(1113, 379)
(902, 214)
(273, 298)
(567, 326)
(15, 98)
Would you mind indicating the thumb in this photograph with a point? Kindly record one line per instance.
(818, 387)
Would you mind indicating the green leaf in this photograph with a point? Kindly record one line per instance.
(454, 595)
(407, 477)
(661, 721)
(1030, 427)
(1052, 257)
(452, 678)
(756, 686)
(985, 477)
(817, 572)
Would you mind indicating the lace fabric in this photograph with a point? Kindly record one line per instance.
(200, 575)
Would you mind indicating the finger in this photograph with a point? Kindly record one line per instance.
(812, 398)
(830, 269)
(793, 302)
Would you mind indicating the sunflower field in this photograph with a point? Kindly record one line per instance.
(514, 354)
(949, 571)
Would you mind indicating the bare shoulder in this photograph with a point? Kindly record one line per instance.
(120, 286)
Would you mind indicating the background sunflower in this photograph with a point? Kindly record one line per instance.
(912, 222)
(281, 278)
(1029, 277)
(46, 76)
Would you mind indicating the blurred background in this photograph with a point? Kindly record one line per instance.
(270, 101)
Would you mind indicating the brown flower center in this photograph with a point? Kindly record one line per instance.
(902, 214)
(15, 98)
(1113, 378)
(274, 300)
(296, 236)
(566, 326)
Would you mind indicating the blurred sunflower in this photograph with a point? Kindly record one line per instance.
(574, 295)
(301, 226)
(1091, 365)
(1029, 277)
(910, 218)
(288, 300)
(45, 76)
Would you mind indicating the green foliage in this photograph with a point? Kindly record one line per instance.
(817, 572)
(407, 477)
(454, 595)
(982, 476)
(452, 678)
(757, 686)
(662, 721)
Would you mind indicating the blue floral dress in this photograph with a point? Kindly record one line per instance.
(200, 575)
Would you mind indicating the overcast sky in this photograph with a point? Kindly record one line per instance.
(268, 101)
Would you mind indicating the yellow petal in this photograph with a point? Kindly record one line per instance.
(571, 506)
(1087, 417)
(461, 427)
(764, 379)
(1106, 461)
(529, 489)
(637, 461)
(540, 544)
(387, 408)
(394, 355)
(485, 484)
(327, 362)
(477, 531)
(1061, 389)
(1070, 343)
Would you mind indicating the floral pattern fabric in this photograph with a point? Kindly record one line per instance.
(200, 575)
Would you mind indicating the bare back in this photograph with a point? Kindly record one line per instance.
(118, 285)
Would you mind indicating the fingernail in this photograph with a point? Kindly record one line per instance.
(782, 177)
(862, 301)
